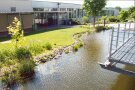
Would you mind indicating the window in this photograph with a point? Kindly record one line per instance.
(38, 9)
(54, 9)
(13, 9)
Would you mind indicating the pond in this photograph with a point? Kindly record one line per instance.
(80, 70)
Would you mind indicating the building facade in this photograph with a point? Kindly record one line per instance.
(39, 13)
(22, 9)
(52, 13)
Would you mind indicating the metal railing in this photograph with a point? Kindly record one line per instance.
(120, 36)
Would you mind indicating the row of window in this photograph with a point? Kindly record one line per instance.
(53, 9)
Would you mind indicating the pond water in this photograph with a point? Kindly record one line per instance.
(80, 70)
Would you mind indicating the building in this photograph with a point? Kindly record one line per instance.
(22, 9)
(40, 13)
(109, 11)
(36, 14)
(52, 13)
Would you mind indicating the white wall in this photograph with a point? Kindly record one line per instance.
(21, 5)
(45, 4)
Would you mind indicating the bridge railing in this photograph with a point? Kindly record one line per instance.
(120, 35)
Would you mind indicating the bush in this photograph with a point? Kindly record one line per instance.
(124, 15)
(22, 53)
(36, 48)
(48, 46)
(16, 31)
(26, 68)
(74, 22)
(9, 78)
(66, 51)
(80, 44)
(10, 62)
(113, 19)
(101, 28)
(6, 55)
(75, 48)
(85, 20)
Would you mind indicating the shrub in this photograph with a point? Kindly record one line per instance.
(22, 53)
(74, 22)
(66, 51)
(26, 68)
(75, 48)
(123, 15)
(80, 44)
(16, 31)
(48, 46)
(113, 19)
(101, 28)
(6, 55)
(85, 19)
(36, 48)
(9, 78)
(10, 62)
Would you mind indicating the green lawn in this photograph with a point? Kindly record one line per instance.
(60, 37)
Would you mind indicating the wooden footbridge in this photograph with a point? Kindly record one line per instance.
(122, 49)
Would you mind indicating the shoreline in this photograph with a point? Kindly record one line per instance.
(56, 53)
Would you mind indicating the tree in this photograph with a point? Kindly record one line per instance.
(93, 7)
(132, 15)
(131, 12)
(15, 30)
(123, 15)
(118, 8)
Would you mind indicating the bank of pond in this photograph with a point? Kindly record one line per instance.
(18, 65)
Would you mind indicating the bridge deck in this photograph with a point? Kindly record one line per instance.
(125, 54)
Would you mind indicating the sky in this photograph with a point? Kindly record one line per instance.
(111, 3)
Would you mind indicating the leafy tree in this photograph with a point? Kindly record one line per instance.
(93, 7)
(118, 8)
(132, 15)
(131, 12)
(15, 30)
(123, 15)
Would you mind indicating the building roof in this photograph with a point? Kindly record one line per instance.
(48, 4)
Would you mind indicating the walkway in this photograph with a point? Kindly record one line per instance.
(122, 48)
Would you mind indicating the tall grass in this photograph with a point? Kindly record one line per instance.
(22, 53)
(26, 68)
(48, 46)
(36, 48)
(6, 55)
(10, 78)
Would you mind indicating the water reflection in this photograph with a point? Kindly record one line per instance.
(124, 82)
(93, 48)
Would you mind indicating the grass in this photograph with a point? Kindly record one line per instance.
(26, 68)
(60, 37)
(33, 44)
(36, 43)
